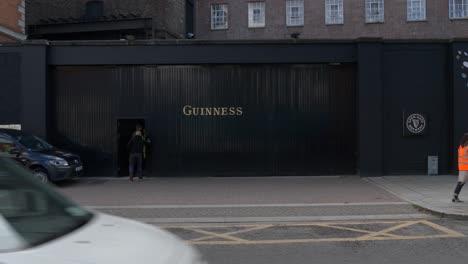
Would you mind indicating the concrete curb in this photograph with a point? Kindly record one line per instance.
(423, 207)
(439, 213)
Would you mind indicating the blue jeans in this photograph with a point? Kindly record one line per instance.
(136, 160)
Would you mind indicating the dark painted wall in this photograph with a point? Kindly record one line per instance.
(415, 80)
(10, 88)
(294, 119)
(24, 72)
(202, 53)
(34, 89)
(391, 78)
(370, 108)
(459, 58)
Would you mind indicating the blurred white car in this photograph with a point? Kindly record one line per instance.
(38, 225)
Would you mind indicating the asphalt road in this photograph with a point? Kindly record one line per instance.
(428, 241)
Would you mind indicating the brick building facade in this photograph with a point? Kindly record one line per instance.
(438, 19)
(12, 20)
(58, 19)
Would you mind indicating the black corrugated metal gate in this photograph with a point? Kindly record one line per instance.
(213, 120)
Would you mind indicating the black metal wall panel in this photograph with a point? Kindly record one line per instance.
(182, 52)
(459, 60)
(415, 80)
(278, 119)
(10, 88)
(83, 113)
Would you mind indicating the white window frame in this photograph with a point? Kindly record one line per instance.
(334, 17)
(458, 9)
(254, 6)
(375, 11)
(294, 13)
(219, 16)
(416, 10)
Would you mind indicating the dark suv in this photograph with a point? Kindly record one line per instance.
(47, 162)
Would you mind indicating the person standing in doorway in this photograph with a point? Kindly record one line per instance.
(462, 167)
(136, 146)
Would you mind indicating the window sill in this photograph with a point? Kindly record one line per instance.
(375, 22)
(219, 29)
(256, 27)
(419, 20)
(334, 24)
(458, 18)
(292, 26)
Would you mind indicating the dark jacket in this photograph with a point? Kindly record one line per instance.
(136, 145)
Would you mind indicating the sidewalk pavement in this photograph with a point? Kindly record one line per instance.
(240, 199)
(224, 191)
(302, 198)
(431, 193)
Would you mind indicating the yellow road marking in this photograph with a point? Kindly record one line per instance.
(387, 230)
(233, 233)
(341, 223)
(354, 230)
(442, 229)
(229, 238)
(298, 241)
(212, 234)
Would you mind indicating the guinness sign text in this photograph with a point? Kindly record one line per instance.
(212, 111)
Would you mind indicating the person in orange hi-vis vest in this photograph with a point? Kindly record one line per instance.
(462, 167)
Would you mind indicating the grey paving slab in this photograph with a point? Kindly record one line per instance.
(225, 191)
(432, 193)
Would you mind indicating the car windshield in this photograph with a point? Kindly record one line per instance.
(30, 212)
(33, 143)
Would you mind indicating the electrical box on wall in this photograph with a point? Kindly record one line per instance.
(415, 124)
(433, 165)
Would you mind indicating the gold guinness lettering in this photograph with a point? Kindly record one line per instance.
(189, 110)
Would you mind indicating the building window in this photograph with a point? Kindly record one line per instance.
(374, 11)
(334, 12)
(219, 16)
(257, 14)
(458, 8)
(416, 10)
(295, 12)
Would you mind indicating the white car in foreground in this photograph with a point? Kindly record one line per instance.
(37, 225)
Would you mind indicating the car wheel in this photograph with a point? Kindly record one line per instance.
(41, 175)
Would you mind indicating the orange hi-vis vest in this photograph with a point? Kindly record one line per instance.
(463, 158)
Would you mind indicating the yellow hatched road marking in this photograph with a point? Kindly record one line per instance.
(385, 231)
(354, 229)
(213, 234)
(229, 238)
(341, 223)
(443, 229)
(233, 233)
(298, 241)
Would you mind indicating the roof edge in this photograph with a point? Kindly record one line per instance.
(12, 34)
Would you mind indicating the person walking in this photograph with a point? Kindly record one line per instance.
(462, 167)
(136, 147)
